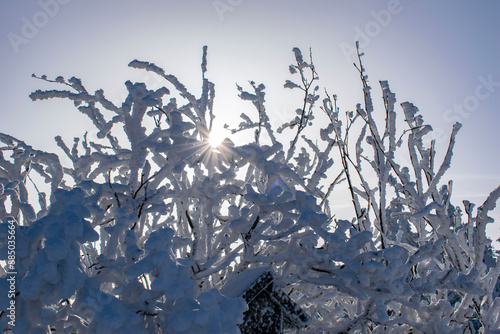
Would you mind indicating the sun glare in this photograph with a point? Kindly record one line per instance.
(216, 138)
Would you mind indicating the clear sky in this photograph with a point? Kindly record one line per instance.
(442, 56)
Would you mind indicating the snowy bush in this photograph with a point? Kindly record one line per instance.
(149, 221)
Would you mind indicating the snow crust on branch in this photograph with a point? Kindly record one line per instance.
(140, 233)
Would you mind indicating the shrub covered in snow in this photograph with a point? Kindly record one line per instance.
(146, 225)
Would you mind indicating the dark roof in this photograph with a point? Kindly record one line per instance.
(250, 283)
(236, 285)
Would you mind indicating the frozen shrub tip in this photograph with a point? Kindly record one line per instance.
(146, 224)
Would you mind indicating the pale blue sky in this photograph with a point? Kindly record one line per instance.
(437, 55)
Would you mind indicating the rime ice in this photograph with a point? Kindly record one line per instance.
(139, 233)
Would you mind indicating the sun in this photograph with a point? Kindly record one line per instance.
(216, 138)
